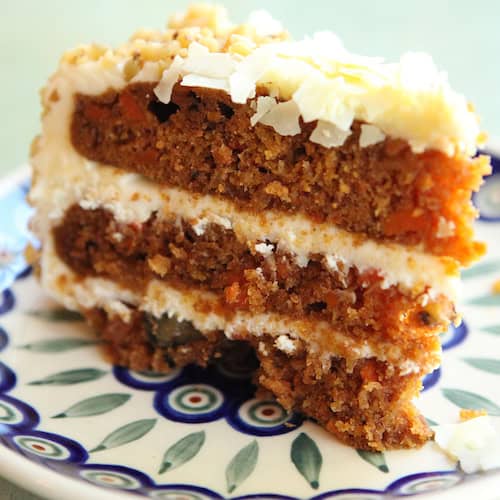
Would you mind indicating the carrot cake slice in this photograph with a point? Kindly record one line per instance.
(215, 182)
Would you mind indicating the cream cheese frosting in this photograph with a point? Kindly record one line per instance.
(315, 79)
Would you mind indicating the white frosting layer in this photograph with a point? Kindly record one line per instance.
(159, 299)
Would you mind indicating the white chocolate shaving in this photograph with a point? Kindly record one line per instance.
(370, 134)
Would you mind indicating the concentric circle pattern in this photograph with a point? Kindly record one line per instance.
(424, 483)
(262, 418)
(110, 479)
(191, 403)
(17, 414)
(49, 446)
(183, 492)
(146, 381)
(264, 496)
(352, 494)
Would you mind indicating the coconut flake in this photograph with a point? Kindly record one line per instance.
(284, 118)
(475, 443)
(264, 105)
(370, 134)
(328, 135)
(205, 82)
(243, 81)
(169, 78)
(201, 61)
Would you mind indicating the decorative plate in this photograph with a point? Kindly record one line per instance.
(73, 426)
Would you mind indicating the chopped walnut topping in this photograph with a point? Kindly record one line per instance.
(160, 264)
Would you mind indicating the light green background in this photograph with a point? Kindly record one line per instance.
(462, 35)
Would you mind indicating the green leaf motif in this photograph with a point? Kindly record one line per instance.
(96, 405)
(58, 345)
(430, 421)
(489, 365)
(375, 458)
(486, 300)
(241, 465)
(307, 458)
(493, 329)
(70, 377)
(126, 434)
(182, 451)
(481, 269)
(469, 400)
(59, 314)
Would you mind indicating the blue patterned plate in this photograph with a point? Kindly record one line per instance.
(71, 426)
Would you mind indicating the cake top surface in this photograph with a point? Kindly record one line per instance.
(315, 79)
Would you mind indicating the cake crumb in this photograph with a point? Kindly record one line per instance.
(275, 188)
(286, 344)
(31, 254)
(496, 287)
(262, 349)
(469, 414)
(232, 293)
(159, 264)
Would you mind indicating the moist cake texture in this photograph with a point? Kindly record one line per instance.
(217, 185)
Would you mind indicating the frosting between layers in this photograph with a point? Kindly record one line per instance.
(62, 177)
(132, 198)
(159, 299)
(318, 77)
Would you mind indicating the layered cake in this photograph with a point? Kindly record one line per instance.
(213, 185)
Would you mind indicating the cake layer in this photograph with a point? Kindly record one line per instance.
(365, 404)
(255, 277)
(206, 311)
(134, 199)
(203, 142)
